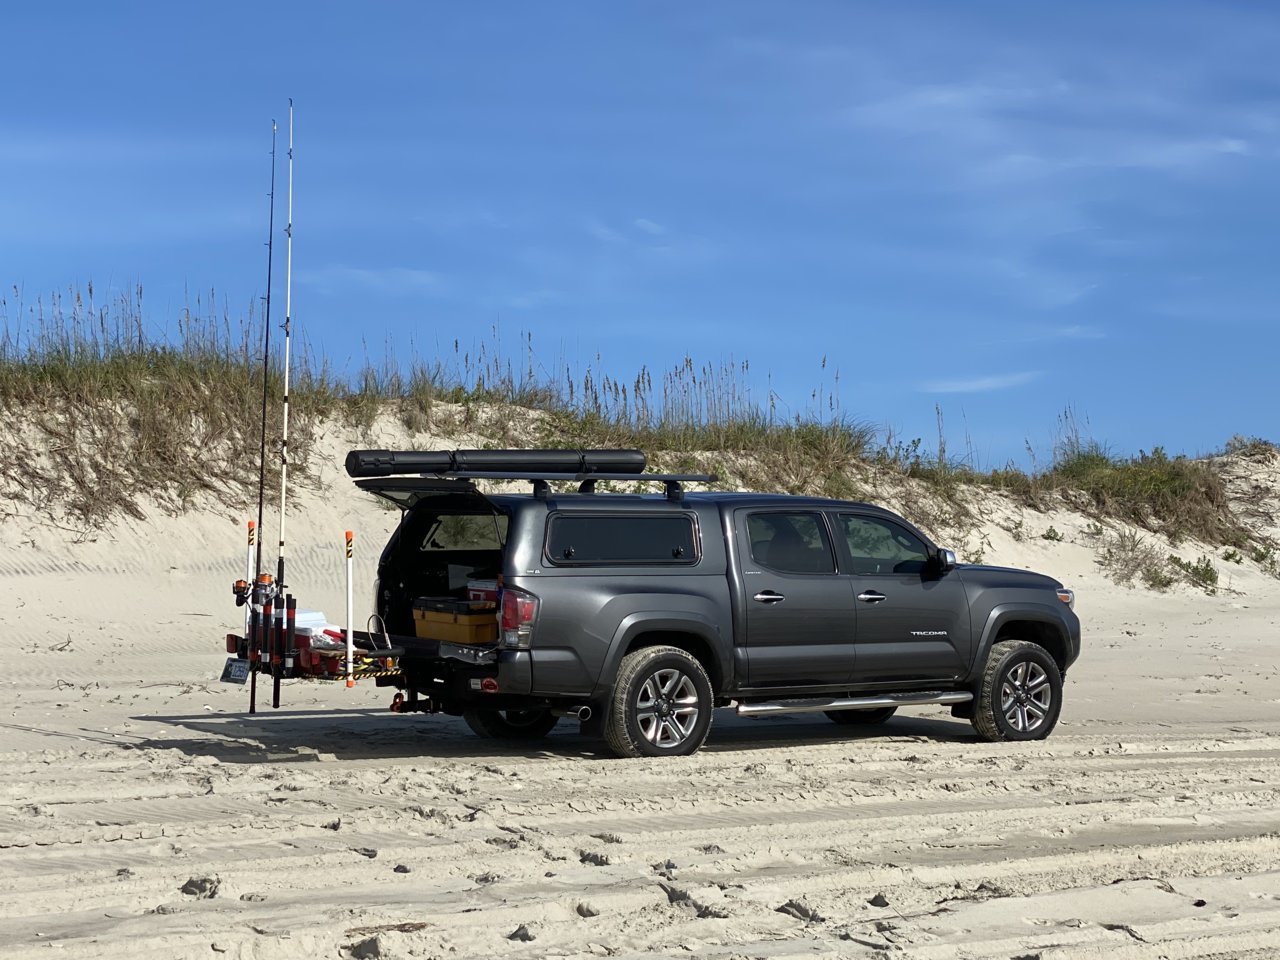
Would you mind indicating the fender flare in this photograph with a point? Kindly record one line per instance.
(1003, 613)
(648, 621)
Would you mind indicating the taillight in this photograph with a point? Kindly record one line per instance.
(519, 614)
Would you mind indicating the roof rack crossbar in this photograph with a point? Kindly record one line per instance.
(573, 477)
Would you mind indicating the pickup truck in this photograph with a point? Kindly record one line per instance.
(639, 614)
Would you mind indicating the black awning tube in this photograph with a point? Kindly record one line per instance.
(387, 463)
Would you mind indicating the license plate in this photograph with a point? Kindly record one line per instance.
(236, 670)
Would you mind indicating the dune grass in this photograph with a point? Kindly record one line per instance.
(102, 415)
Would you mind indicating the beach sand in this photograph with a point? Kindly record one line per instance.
(144, 813)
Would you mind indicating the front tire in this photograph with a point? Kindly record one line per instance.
(860, 718)
(510, 724)
(1021, 693)
(661, 705)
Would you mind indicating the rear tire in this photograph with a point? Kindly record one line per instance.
(860, 718)
(1021, 693)
(661, 704)
(510, 724)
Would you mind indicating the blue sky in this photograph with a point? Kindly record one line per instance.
(1004, 209)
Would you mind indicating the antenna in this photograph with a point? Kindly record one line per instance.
(288, 316)
(266, 346)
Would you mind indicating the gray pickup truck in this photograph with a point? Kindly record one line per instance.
(639, 614)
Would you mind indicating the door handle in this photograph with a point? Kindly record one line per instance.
(871, 596)
(768, 596)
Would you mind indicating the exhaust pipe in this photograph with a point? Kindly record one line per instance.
(582, 713)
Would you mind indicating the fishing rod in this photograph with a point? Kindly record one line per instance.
(266, 348)
(288, 316)
(261, 596)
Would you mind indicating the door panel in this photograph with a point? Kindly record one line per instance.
(912, 624)
(916, 632)
(799, 610)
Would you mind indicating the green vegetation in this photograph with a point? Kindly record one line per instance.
(1201, 573)
(1253, 448)
(1127, 556)
(101, 413)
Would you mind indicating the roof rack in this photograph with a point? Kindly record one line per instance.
(540, 467)
(672, 482)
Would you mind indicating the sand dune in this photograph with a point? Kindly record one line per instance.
(143, 813)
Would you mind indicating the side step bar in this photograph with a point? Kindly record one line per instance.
(854, 703)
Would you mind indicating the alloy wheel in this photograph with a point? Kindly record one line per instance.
(667, 709)
(1026, 696)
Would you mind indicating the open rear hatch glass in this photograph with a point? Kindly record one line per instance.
(451, 539)
(406, 492)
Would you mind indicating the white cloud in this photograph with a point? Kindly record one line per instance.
(1002, 381)
(391, 281)
(994, 131)
(649, 227)
(603, 233)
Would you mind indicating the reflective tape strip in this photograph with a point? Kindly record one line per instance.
(357, 675)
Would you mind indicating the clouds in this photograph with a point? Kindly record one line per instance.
(639, 230)
(987, 384)
(649, 227)
(988, 132)
(383, 281)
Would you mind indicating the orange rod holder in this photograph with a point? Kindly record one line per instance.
(350, 612)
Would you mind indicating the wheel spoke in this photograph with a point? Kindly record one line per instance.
(1022, 718)
(650, 726)
(1007, 697)
(670, 733)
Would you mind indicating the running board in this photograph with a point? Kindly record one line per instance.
(855, 703)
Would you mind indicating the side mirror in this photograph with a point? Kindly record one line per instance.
(945, 560)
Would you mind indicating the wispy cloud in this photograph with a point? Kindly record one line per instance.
(649, 227)
(603, 233)
(996, 130)
(387, 281)
(1002, 381)
(607, 234)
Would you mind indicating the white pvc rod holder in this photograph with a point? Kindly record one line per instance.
(350, 612)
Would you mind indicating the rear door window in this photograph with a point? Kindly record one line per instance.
(791, 542)
(577, 539)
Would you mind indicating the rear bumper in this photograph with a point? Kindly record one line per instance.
(462, 667)
(515, 672)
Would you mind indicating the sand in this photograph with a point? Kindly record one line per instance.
(144, 814)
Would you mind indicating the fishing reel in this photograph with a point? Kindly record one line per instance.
(258, 592)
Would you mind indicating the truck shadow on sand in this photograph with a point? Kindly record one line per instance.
(309, 736)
